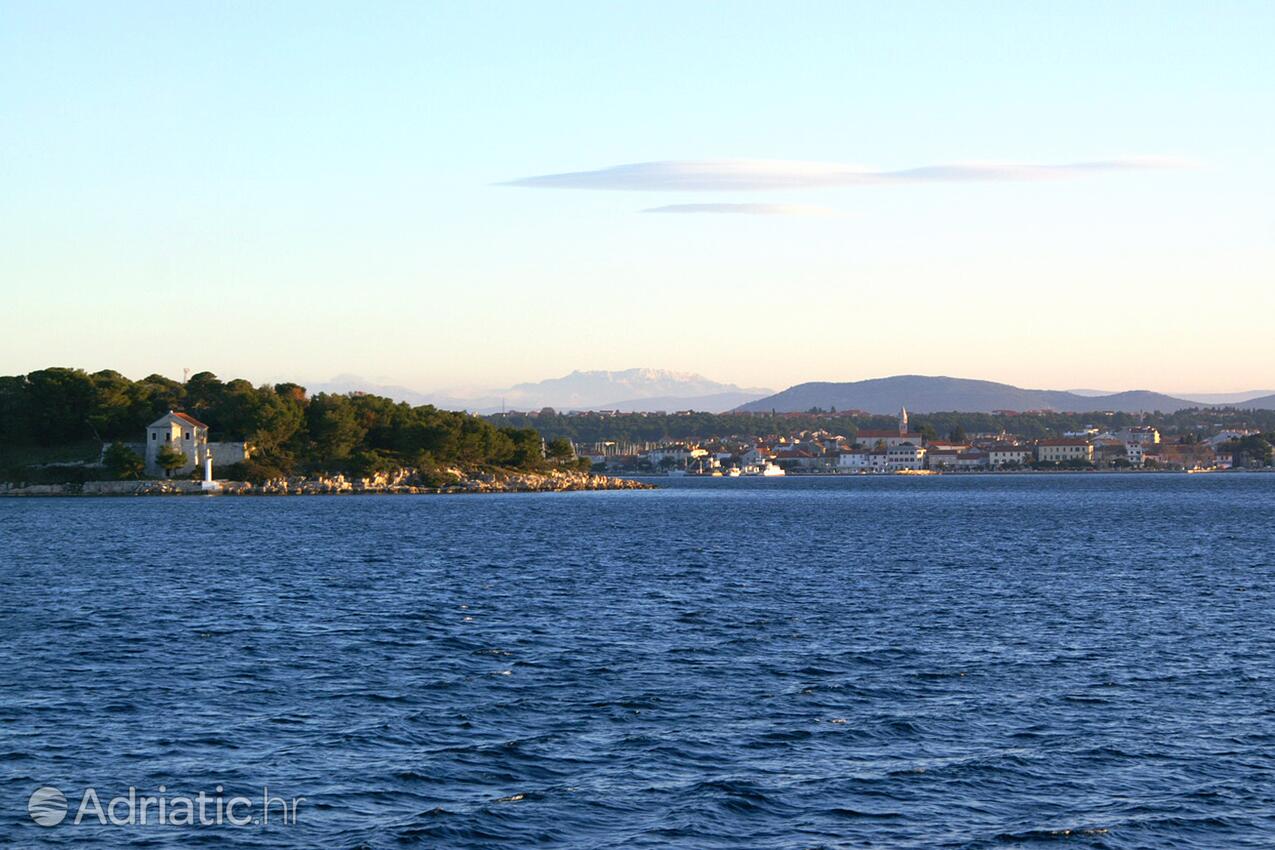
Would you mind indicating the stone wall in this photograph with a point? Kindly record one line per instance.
(224, 454)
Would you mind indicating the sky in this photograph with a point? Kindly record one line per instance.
(446, 195)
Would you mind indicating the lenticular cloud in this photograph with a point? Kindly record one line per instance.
(760, 174)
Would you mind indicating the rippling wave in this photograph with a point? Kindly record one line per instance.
(975, 662)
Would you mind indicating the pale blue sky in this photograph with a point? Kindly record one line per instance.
(305, 189)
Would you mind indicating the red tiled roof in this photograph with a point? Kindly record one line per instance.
(186, 417)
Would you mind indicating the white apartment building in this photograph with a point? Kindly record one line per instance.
(999, 456)
(904, 456)
(855, 460)
(1061, 451)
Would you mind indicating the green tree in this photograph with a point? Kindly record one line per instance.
(155, 395)
(15, 425)
(1251, 450)
(205, 395)
(559, 448)
(123, 463)
(59, 403)
(113, 416)
(169, 460)
(369, 462)
(334, 428)
(525, 448)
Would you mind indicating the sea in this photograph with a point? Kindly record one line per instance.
(984, 661)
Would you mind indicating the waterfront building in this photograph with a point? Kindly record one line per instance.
(941, 458)
(904, 456)
(1223, 437)
(189, 436)
(1062, 451)
(1184, 455)
(795, 457)
(678, 454)
(1108, 451)
(854, 460)
(756, 456)
(1001, 456)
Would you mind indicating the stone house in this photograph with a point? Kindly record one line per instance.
(188, 435)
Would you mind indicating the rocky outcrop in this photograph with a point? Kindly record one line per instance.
(407, 481)
(540, 482)
(401, 481)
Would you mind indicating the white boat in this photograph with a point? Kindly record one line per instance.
(733, 472)
(767, 469)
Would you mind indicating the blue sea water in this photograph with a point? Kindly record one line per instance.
(956, 662)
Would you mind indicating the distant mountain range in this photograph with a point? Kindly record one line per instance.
(630, 390)
(645, 390)
(926, 394)
(1203, 398)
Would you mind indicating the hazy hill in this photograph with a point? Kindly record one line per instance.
(587, 390)
(1244, 399)
(638, 390)
(926, 394)
(1266, 402)
(714, 403)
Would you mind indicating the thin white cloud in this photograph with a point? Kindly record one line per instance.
(746, 209)
(732, 175)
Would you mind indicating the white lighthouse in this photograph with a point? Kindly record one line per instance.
(208, 485)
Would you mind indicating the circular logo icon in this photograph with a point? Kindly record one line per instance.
(47, 806)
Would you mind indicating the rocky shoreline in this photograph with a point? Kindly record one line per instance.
(402, 482)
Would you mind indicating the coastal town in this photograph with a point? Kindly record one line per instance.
(67, 431)
(904, 450)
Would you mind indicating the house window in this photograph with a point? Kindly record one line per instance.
(154, 436)
(187, 435)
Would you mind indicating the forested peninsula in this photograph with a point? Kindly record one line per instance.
(62, 425)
